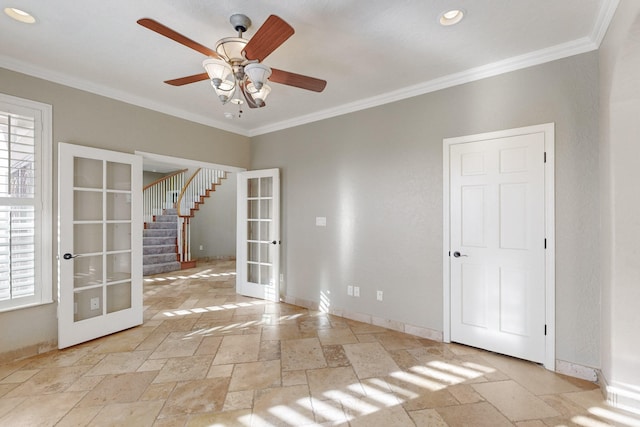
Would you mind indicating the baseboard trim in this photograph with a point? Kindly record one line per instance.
(395, 325)
(28, 351)
(620, 397)
(575, 370)
(216, 258)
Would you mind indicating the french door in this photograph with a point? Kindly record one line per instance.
(497, 264)
(258, 234)
(99, 243)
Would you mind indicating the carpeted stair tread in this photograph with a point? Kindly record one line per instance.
(167, 218)
(160, 232)
(158, 249)
(160, 225)
(158, 258)
(159, 244)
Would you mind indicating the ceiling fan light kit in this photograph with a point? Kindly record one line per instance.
(259, 95)
(235, 68)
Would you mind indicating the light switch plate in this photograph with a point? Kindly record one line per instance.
(321, 221)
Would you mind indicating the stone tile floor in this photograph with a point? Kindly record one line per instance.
(208, 357)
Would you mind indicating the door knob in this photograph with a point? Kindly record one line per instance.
(69, 256)
(458, 254)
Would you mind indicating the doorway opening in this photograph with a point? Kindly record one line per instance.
(190, 212)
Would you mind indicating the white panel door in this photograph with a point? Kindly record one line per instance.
(99, 243)
(258, 243)
(497, 243)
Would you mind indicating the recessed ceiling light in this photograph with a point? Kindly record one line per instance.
(19, 15)
(451, 17)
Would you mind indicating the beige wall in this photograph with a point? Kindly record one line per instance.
(83, 118)
(377, 177)
(214, 224)
(620, 205)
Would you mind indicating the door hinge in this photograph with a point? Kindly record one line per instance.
(545, 330)
(545, 243)
(545, 157)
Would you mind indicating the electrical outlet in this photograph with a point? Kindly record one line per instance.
(356, 291)
(201, 247)
(350, 290)
(94, 303)
(379, 295)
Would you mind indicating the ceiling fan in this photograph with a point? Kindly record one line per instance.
(235, 66)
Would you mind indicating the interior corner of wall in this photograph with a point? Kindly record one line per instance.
(623, 397)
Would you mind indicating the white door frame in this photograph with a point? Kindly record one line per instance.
(549, 195)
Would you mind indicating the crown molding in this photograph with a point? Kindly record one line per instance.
(537, 57)
(607, 11)
(64, 79)
(564, 50)
(575, 47)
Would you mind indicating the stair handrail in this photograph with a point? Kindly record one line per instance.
(155, 193)
(184, 229)
(183, 192)
(164, 178)
(198, 185)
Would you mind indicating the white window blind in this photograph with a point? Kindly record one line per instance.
(23, 206)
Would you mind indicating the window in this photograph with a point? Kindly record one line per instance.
(25, 194)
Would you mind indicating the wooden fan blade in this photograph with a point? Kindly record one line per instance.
(297, 80)
(272, 34)
(188, 79)
(175, 36)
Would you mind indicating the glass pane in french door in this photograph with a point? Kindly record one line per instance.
(259, 231)
(102, 238)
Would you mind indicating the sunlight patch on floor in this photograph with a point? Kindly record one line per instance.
(375, 394)
(616, 417)
(200, 275)
(323, 407)
(289, 415)
(588, 422)
(457, 370)
(480, 368)
(440, 376)
(200, 310)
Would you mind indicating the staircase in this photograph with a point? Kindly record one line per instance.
(160, 244)
(169, 205)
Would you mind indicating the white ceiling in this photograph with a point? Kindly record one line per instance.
(370, 51)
